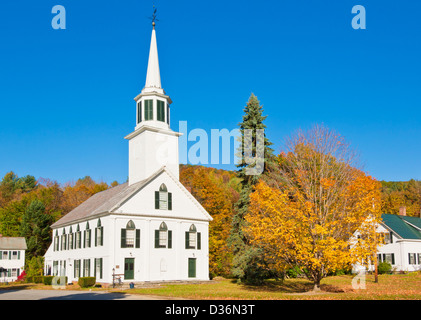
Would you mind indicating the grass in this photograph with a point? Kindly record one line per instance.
(389, 287)
(399, 286)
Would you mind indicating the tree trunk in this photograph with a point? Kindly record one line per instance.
(316, 287)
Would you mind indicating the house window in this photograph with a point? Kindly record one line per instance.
(148, 109)
(99, 234)
(412, 259)
(163, 198)
(419, 258)
(163, 237)
(193, 238)
(390, 258)
(130, 237)
(161, 111)
(87, 237)
(4, 255)
(14, 255)
(388, 238)
(139, 112)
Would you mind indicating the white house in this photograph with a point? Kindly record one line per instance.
(402, 248)
(148, 229)
(402, 242)
(12, 258)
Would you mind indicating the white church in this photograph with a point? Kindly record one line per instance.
(148, 229)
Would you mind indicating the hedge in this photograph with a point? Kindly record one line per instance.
(86, 282)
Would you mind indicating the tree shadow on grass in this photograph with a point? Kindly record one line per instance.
(290, 286)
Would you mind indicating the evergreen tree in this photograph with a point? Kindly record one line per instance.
(247, 262)
(35, 227)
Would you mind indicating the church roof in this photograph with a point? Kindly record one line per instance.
(110, 200)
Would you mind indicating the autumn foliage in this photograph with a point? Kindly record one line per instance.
(307, 215)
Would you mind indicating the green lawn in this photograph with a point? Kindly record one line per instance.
(399, 286)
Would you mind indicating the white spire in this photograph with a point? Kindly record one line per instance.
(153, 76)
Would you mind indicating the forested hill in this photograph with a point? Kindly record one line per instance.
(29, 206)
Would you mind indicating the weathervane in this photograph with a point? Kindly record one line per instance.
(153, 18)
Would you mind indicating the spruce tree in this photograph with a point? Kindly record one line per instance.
(247, 261)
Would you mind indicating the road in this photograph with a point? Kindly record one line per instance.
(32, 294)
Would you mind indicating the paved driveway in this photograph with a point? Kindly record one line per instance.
(30, 294)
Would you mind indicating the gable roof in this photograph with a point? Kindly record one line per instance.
(110, 200)
(12, 243)
(400, 226)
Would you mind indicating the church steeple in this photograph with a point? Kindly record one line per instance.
(153, 105)
(152, 144)
(153, 76)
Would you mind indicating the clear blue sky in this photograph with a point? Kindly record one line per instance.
(66, 96)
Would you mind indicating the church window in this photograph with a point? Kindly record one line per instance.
(99, 234)
(163, 198)
(130, 236)
(193, 238)
(87, 237)
(63, 240)
(148, 109)
(78, 238)
(161, 111)
(163, 237)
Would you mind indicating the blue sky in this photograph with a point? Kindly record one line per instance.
(66, 96)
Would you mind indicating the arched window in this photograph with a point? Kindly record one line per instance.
(63, 240)
(163, 237)
(163, 198)
(99, 234)
(56, 242)
(70, 246)
(78, 238)
(130, 236)
(87, 236)
(193, 238)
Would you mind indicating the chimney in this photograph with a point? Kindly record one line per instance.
(402, 211)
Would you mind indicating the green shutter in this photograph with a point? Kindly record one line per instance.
(19, 255)
(393, 258)
(169, 239)
(199, 241)
(100, 268)
(84, 238)
(156, 199)
(156, 238)
(187, 240)
(123, 238)
(102, 236)
(169, 201)
(96, 233)
(10, 255)
(137, 238)
(139, 112)
(1, 255)
(89, 238)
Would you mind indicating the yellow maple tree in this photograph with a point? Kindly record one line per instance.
(308, 217)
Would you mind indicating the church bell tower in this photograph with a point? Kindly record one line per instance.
(152, 144)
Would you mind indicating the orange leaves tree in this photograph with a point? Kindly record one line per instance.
(308, 214)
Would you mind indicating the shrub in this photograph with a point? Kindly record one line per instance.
(384, 267)
(38, 279)
(86, 282)
(49, 280)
